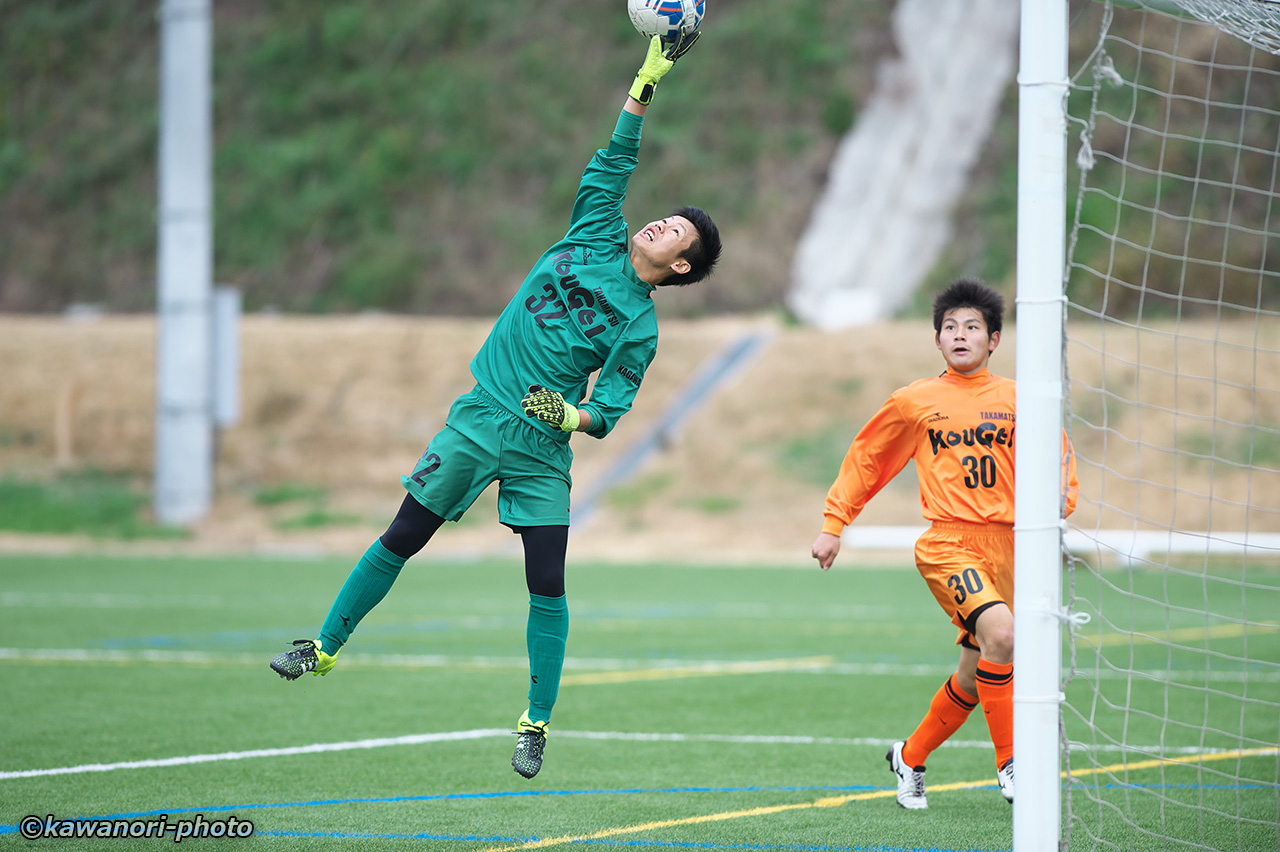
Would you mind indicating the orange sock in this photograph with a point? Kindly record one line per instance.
(951, 705)
(995, 691)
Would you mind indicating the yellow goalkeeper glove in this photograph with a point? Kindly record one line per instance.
(659, 60)
(549, 407)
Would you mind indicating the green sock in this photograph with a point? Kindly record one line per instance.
(368, 583)
(546, 634)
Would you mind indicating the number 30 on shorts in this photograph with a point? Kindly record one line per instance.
(966, 583)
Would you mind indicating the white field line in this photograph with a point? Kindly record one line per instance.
(107, 600)
(491, 733)
(876, 742)
(315, 748)
(841, 801)
(595, 665)
(698, 669)
(646, 669)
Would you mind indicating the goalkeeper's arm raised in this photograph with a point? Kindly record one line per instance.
(658, 61)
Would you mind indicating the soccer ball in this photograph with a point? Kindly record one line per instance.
(665, 17)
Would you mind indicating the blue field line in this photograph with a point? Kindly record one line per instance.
(615, 842)
(634, 844)
(223, 640)
(529, 794)
(774, 847)
(352, 835)
(1195, 787)
(501, 794)
(250, 639)
(635, 791)
(440, 797)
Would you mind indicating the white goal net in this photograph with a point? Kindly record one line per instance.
(1172, 714)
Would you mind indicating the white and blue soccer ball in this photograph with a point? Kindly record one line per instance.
(665, 17)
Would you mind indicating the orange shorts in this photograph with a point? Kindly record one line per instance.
(968, 567)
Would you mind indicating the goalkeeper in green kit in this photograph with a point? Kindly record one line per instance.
(584, 308)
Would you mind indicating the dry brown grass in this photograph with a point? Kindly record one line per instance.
(346, 405)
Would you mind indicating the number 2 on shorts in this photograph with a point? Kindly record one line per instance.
(427, 464)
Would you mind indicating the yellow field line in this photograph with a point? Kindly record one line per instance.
(668, 823)
(838, 801)
(672, 673)
(1221, 631)
(1164, 761)
(97, 656)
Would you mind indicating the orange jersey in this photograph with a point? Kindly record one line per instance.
(959, 431)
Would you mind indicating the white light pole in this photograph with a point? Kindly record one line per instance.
(183, 488)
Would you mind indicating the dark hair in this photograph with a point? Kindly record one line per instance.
(702, 253)
(968, 293)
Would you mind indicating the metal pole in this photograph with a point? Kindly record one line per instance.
(1041, 245)
(184, 276)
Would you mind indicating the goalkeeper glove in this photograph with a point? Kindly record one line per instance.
(661, 57)
(549, 407)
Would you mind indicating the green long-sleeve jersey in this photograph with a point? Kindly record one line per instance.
(581, 308)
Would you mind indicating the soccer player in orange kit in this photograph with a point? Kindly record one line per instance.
(959, 428)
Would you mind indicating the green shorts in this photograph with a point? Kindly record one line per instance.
(481, 442)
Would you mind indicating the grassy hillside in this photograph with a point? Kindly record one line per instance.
(415, 155)
(410, 154)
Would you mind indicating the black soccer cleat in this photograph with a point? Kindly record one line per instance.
(531, 739)
(306, 656)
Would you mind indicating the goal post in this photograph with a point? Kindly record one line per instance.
(1042, 87)
(1148, 323)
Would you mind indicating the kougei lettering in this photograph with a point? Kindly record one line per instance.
(982, 435)
(577, 298)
